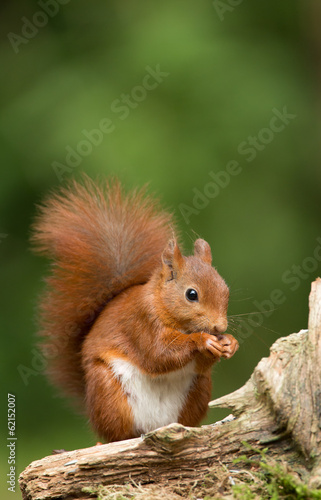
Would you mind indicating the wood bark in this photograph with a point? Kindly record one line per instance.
(279, 408)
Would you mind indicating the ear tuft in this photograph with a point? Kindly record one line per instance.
(203, 251)
(172, 257)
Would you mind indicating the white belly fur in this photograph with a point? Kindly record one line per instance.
(155, 401)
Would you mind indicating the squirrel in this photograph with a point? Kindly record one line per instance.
(130, 326)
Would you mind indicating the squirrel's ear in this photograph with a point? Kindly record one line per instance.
(203, 251)
(172, 258)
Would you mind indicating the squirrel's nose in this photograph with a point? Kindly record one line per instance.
(220, 326)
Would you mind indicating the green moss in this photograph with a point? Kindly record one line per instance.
(243, 492)
(273, 480)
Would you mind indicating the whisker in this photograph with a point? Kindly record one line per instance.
(233, 330)
(270, 330)
(196, 234)
(260, 325)
(167, 346)
(260, 339)
(250, 313)
(240, 300)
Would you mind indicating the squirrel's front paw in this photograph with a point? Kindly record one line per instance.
(209, 345)
(229, 345)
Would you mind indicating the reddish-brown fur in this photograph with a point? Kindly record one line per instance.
(117, 290)
(101, 242)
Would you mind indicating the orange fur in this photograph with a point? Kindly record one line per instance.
(101, 242)
(196, 406)
(118, 292)
(112, 421)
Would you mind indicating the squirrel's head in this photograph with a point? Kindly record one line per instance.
(193, 294)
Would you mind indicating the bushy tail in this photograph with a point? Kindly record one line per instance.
(101, 242)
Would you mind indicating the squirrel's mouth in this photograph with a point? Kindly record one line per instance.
(188, 330)
(210, 331)
(214, 332)
(191, 329)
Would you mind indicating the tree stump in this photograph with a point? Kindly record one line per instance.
(279, 408)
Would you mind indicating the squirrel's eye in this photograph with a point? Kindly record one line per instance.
(191, 294)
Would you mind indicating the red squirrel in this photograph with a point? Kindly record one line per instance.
(130, 326)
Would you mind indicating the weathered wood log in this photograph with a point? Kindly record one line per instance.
(279, 407)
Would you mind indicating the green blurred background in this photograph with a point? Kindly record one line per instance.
(227, 68)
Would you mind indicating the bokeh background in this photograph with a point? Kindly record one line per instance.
(223, 69)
